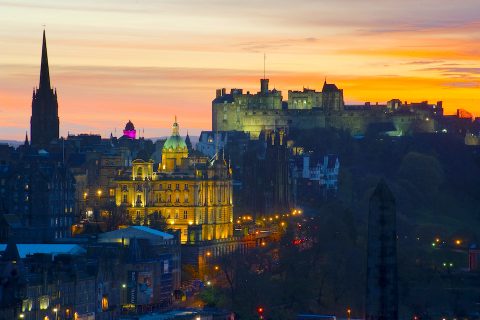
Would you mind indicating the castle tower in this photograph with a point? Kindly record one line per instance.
(382, 292)
(44, 123)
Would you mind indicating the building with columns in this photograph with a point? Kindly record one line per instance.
(191, 194)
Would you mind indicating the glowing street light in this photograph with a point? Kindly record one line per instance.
(348, 313)
(99, 192)
(458, 242)
(56, 313)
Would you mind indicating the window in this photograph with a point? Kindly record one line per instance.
(104, 303)
(112, 192)
(124, 198)
(169, 186)
(176, 214)
(139, 199)
(177, 198)
(186, 187)
(185, 214)
(177, 186)
(185, 198)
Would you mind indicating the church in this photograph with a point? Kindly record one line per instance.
(192, 194)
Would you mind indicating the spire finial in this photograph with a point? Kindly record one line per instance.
(44, 71)
(175, 130)
(26, 139)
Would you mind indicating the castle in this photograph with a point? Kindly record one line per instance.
(309, 109)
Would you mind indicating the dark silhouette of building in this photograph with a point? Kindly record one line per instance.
(382, 292)
(266, 180)
(44, 123)
(38, 199)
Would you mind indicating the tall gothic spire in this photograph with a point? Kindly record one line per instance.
(44, 123)
(44, 72)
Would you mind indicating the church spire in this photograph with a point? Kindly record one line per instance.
(26, 143)
(44, 72)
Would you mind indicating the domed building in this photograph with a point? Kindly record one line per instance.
(129, 132)
(193, 194)
(174, 151)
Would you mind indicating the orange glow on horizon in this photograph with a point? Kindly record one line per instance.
(171, 57)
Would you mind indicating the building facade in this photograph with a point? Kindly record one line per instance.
(192, 194)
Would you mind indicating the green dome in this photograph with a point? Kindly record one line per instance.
(175, 141)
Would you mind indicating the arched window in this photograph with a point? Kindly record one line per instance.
(139, 172)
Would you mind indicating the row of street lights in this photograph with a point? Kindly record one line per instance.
(22, 315)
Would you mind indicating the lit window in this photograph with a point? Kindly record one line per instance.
(44, 302)
(104, 303)
(185, 214)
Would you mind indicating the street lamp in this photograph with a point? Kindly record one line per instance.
(349, 312)
(56, 313)
(21, 316)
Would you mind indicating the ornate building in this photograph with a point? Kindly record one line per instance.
(193, 194)
(44, 123)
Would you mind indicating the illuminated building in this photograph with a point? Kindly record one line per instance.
(309, 109)
(192, 194)
(129, 131)
(44, 123)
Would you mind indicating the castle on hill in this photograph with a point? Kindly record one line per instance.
(308, 109)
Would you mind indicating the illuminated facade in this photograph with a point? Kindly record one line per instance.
(193, 195)
(129, 131)
(309, 109)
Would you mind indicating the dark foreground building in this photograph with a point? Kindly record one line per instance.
(382, 291)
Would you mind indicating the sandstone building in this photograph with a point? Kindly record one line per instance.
(193, 194)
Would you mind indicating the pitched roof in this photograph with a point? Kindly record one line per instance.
(139, 232)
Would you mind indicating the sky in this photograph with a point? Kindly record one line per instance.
(149, 60)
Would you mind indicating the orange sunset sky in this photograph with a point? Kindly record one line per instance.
(148, 60)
